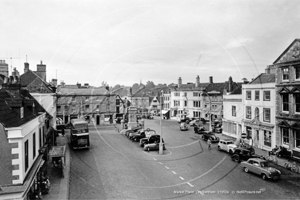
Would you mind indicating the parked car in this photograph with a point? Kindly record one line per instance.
(226, 145)
(138, 135)
(199, 129)
(153, 146)
(149, 140)
(195, 122)
(127, 132)
(184, 119)
(261, 168)
(242, 154)
(208, 134)
(284, 152)
(183, 126)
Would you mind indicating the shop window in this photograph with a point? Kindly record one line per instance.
(297, 102)
(26, 155)
(248, 112)
(248, 95)
(297, 138)
(285, 74)
(285, 136)
(267, 96)
(233, 109)
(285, 102)
(257, 95)
(267, 138)
(267, 114)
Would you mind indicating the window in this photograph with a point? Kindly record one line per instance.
(267, 138)
(285, 135)
(195, 94)
(196, 104)
(267, 114)
(248, 95)
(297, 138)
(256, 95)
(213, 107)
(26, 155)
(248, 112)
(285, 73)
(33, 145)
(196, 114)
(257, 113)
(177, 94)
(58, 108)
(154, 101)
(285, 102)
(297, 72)
(176, 103)
(185, 103)
(66, 108)
(185, 94)
(297, 102)
(267, 96)
(233, 109)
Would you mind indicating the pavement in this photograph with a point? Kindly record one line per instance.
(60, 186)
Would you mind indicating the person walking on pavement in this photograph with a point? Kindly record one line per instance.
(209, 143)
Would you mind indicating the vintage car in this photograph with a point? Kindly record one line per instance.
(149, 140)
(227, 145)
(183, 126)
(261, 167)
(195, 122)
(136, 136)
(199, 129)
(153, 146)
(242, 154)
(210, 135)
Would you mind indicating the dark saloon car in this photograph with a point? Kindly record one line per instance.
(242, 154)
(261, 168)
(149, 140)
(211, 136)
(138, 135)
(199, 129)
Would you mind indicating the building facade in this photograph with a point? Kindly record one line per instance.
(287, 67)
(259, 111)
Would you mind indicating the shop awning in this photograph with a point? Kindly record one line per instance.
(164, 111)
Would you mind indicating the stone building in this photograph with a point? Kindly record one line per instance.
(287, 67)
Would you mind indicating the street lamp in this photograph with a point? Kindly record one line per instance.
(161, 148)
(203, 92)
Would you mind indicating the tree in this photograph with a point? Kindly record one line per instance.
(135, 87)
(150, 84)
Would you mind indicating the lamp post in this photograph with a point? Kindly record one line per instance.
(203, 92)
(161, 148)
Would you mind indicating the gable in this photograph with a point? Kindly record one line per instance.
(292, 53)
(38, 86)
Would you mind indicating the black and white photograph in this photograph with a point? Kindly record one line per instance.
(149, 99)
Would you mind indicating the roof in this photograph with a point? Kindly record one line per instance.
(81, 91)
(291, 53)
(34, 83)
(263, 78)
(10, 105)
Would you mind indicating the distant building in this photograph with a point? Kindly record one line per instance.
(3, 68)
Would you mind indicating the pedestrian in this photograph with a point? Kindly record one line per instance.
(209, 144)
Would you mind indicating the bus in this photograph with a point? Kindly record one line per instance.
(80, 137)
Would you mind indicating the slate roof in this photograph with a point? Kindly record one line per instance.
(263, 78)
(81, 91)
(34, 83)
(10, 104)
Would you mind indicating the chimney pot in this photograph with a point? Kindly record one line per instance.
(210, 79)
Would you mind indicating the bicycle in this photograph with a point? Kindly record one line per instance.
(292, 166)
(272, 159)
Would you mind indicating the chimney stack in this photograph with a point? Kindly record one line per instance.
(230, 84)
(197, 81)
(26, 67)
(211, 79)
(179, 82)
(41, 71)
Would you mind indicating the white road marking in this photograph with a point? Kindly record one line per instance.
(190, 184)
(184, 145)
(181, 178)
(174, 172)
(160, 163)
(167, 167)
(154, 158)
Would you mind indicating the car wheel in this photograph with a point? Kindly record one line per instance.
(236, 158)
(246, 169)
(230, 151)
(264, 176)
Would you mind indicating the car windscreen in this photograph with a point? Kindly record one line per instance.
(80, 128)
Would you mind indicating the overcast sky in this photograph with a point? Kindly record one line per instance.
(125, 42)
